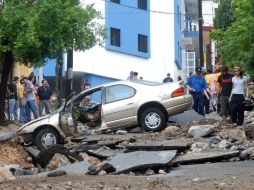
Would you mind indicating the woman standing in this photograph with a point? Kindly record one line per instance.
(239, 92)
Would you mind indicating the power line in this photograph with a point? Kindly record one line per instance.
(152, 11)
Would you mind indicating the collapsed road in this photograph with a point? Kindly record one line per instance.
(204, 141)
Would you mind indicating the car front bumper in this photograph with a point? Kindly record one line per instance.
(26, 139)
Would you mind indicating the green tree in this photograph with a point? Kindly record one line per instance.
(236, 43)
(224, 15)
(32, 31)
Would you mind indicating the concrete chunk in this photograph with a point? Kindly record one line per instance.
(205, 156)
(174, 144)
(104, 152)
(124, 162)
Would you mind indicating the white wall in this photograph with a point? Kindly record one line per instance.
(118, 65)
(208, 10)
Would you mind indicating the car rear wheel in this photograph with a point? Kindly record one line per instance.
(153, 119)
(45, 138)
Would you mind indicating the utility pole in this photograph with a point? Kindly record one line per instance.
(69, 73)
(200, 25)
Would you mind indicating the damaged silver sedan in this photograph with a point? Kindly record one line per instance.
(115, 105)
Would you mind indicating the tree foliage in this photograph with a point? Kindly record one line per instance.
(32, 31)
(223, 17)
(37, 29)
(236, 43)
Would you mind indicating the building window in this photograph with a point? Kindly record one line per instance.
(142, 4)
(142, 43)
(115, 37)
(115, 1)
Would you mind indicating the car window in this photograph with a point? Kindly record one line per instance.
(119, 92)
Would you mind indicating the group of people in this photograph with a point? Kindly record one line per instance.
(29, 97)
(223, 89)
(134, 76)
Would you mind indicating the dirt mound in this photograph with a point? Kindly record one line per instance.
(13, 153)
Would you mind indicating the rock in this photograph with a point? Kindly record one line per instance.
(244, 155)
(16, 171)
(84, 130)
(224, 144)
(215, 140)
(102, 172)
(249, 131)
(46, 154)
(5, 174)
(234, 134)
(121, 132)
(171, 131)
(57, 161)
(199, 146)
(196, 179)
(161, 171)
(33, 152)
(149, 172)
(57, 173)
(200, 130)
(234, 148)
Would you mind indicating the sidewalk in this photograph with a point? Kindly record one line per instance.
(7, 132)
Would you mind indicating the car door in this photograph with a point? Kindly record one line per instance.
(119, 106)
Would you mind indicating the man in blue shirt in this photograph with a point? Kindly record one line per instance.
(196, 84)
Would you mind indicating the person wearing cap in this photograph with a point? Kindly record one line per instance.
(196, 84)
(240, 92)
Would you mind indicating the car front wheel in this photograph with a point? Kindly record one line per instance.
(153, 119)
(45, 138)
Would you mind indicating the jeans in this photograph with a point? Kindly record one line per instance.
(46, 104)
(23, 118)
(237, 108)
(207, 105)
(198, 103)
(31, 105)
(225, 106)
(13, 109)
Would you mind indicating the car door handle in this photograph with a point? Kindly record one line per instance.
(130, 103)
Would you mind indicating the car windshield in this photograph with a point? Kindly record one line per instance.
(146, 82)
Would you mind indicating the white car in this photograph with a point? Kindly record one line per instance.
(115, 105)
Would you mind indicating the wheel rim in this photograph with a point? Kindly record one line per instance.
(48, 139)
(152, 120)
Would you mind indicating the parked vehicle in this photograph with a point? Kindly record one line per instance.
(112, 106)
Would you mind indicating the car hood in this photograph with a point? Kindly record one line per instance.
(34, 121)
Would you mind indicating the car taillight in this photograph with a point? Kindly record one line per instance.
(178, 92)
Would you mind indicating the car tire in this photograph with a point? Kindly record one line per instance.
(153, 119)
(45, 138)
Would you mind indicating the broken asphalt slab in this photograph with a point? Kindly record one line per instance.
(213, 170)
(125, 162)
(205, 156)
(77, 168)
(104, 152)
(185, 117)
(173, 144)
(8, 132)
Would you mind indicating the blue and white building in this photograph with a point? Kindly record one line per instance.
(142, 35)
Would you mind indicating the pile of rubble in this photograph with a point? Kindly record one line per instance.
(206, 140)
